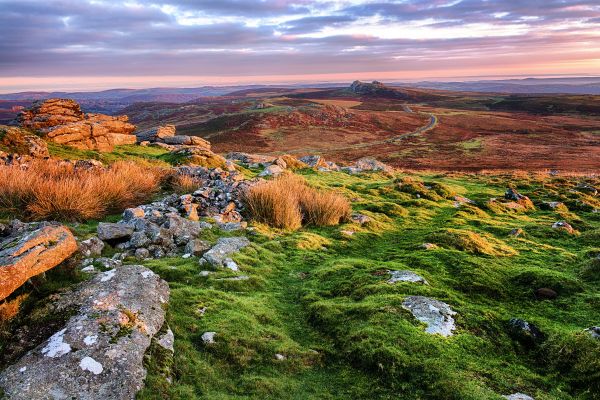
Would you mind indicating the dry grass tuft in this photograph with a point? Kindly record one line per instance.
(288, 202)
(47, 190)
(183, 184)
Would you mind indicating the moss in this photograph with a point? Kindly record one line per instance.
(471, 242)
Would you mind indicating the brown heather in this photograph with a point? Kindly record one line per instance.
(287, 202)
(45, 190)
(183, 184)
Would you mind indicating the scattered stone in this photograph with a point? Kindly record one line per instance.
(552, 205)
(516, 232)
(518, 396)
(563, 225)
(360, 219)
(463, 200)
(208, 337)
(280, 357)
(594, 331)
(197, 247)
(429, 246)
(167, 340)
(545, 294)
(219, 254)
(31, 249)
(436, 314)
(99, 353)
(272, 170)
(367, 164)
(142, 254)
(91, 247)
(406, 276)
(114, 232)
(132, 213)
(347, 232)
(525, 332)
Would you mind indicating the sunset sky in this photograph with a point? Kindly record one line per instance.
(96, 44)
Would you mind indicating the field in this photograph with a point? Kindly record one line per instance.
(320, 299)
(550, 132)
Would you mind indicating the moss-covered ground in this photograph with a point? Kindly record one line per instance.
(316, 318)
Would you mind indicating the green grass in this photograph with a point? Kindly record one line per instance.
(473, 144)
(149, 154)
(320, 298)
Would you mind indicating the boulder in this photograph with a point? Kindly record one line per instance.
(367, 164)
(272, 170)
(99, 353)
(436, 314)
(110, 232)
(29, 251)
(156, 134)
(197, 247)
(91, 247)
(594, 332)
(219, 254)
(199, 156)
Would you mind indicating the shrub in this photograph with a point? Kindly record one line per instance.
(49, 190)
(287, 202)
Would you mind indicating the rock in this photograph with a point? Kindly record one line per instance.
(436, 314)
(100, 351)
(518, 396)
(406, 276)
(132, 213)
(251, 160)
(545, 294)
(552, 205)
(360, 219)
(463, 200)
(199, 156)
(156, 134)
(280, 357)
(31, 250)
(594, 331)
(587, 188)
(219, 254)
(272, 170)
(142, 254)
(516, 232)
(139, 239)
(208, 337)
(314, 161)
(114, 232)
(429, 246)
(91, 247)
(20, 141)
(62, 121)
(197, 247)
(525, 332)
(512, 194)
(371, 164)
(564, 226)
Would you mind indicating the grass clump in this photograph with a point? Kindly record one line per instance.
(288, 202)
(46, 190)
(471, 242)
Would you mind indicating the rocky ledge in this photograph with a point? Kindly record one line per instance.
(99, 353)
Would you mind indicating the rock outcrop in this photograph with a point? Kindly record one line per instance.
(99, 353)
(31, 249)
(63, 122)
(19, 141)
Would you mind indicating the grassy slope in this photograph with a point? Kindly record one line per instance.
(321, 299)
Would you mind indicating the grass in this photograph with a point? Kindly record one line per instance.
(141, 154)
(287, 202)
(321, 300)
(57, 191)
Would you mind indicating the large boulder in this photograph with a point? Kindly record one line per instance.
(63, 122)
(99, 353)
(156, 134)
(31, 250)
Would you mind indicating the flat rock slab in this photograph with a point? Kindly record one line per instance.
(99, 353)
(26, 254)
(406, 276)
(219, 255)
(436, 314)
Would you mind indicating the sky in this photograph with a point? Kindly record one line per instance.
(99, 44)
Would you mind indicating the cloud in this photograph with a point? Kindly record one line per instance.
(243, 37)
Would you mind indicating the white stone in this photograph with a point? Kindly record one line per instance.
(108, 275)
(90, 340)
(208, 337)
(406, 276)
